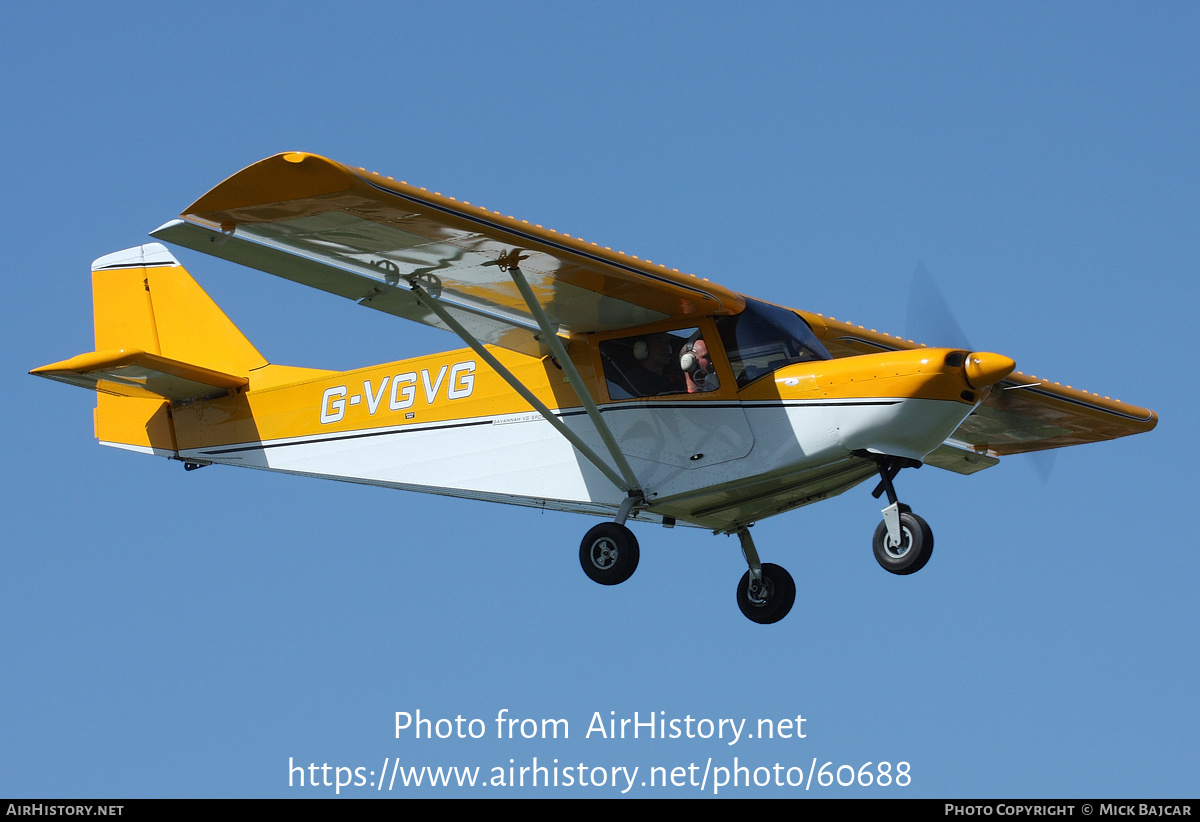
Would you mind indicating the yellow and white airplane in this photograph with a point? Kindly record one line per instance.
(592, 381)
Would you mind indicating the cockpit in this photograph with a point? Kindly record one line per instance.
(760, 340)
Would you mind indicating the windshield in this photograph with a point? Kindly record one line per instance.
(764, 338)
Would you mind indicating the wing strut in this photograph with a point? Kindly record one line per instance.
(427, 300)
(550, 337)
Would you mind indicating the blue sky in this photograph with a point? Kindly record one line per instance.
(188, 634)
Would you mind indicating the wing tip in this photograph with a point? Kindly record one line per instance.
(281, 177)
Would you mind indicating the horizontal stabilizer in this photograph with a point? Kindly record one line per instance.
(131, 372)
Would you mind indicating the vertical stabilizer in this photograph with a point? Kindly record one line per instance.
(143, 298)
(159, 338)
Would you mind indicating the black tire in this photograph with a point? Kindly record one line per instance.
(609, 553)
(916, 546)
(772, 604)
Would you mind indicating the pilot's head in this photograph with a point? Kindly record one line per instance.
(697, 365)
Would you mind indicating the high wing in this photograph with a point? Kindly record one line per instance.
(370, 238)
(1022, 413)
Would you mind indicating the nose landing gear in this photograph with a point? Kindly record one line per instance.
(910, 553)
(903, 542)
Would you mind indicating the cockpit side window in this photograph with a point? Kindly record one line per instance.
(764, 338)
(658, 364)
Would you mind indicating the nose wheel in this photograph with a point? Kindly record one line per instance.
(903, 541)
(908, 554)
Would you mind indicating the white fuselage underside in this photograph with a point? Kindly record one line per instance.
(681, 452)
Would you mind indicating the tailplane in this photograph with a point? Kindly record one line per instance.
(159, 339)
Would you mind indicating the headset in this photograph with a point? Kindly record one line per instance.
(690, 362)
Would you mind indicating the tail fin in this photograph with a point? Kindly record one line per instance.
(143, 298)
(159, 338)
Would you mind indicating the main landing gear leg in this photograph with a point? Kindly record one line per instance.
(609, 552)
(766, 592)
(903, 541)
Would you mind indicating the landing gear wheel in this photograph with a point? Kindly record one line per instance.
(609, 553)
(914, 550)
(772, 598)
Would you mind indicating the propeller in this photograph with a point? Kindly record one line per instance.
(931, 321)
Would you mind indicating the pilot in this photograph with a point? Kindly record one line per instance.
(656, 371)
(697, 366)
